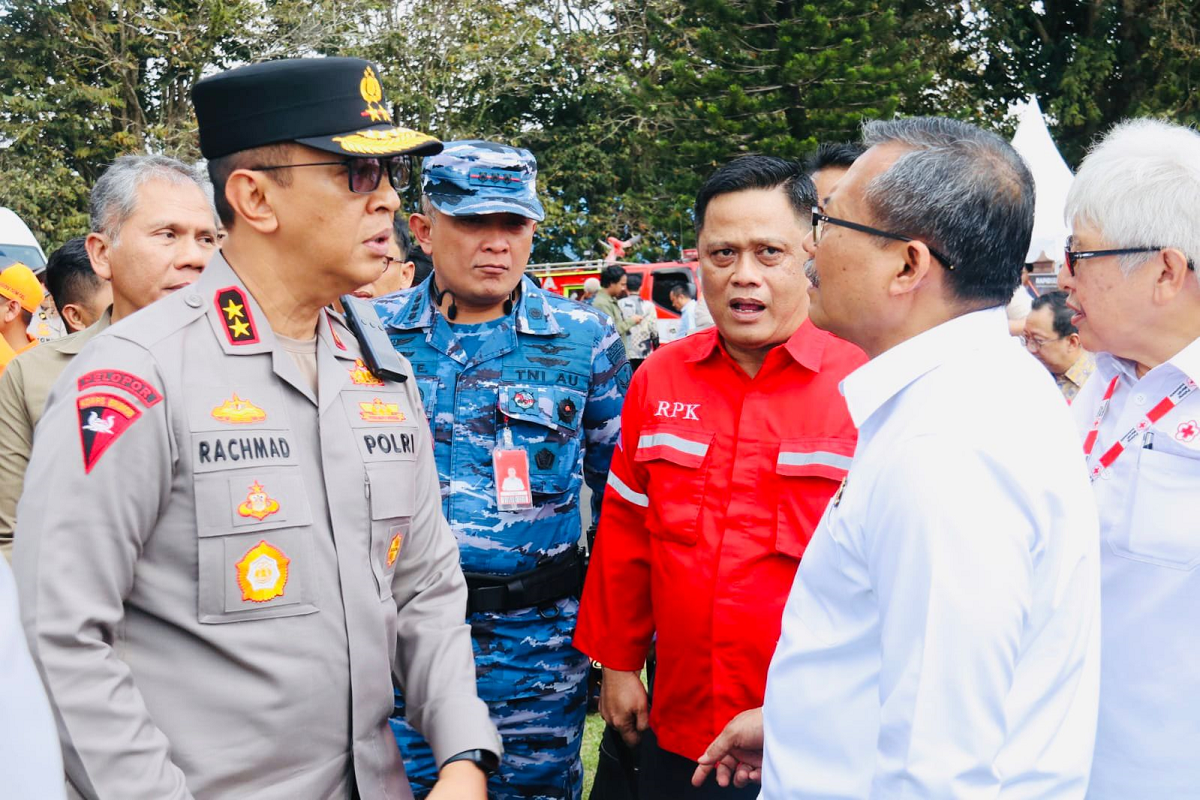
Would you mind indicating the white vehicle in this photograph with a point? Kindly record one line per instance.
(17, 243)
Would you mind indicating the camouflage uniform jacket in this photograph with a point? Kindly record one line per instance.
(554, 374)
(569, 361)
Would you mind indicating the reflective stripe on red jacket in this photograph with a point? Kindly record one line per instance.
(716, 486)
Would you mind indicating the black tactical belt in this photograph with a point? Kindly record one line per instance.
(561, 576)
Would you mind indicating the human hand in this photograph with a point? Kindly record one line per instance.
(460, 780)
(624, 704)
(636, 319)
(736, 754)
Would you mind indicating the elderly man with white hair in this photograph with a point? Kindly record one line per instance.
(1130, 272)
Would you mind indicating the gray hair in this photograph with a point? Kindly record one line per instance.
(1140, 187)
(963, 191)
(114, 197)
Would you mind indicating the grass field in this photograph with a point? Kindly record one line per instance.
(592, 731)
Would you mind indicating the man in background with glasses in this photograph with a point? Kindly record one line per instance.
(941, 638)
(1053, 340)
(253, 543)
(1132, 284)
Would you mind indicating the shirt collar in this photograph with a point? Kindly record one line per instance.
(413, 309)
(806, 346)
(883, 377)
(71, 345)
(1081, 370)
(1186, 361)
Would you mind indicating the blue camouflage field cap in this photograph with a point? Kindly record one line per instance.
(476, 177)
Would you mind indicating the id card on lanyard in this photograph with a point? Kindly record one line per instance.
(1156, 412)
(510, 474)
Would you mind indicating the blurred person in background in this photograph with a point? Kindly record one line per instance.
(80, 295)
(829, 164)
(20, 296)
(643, 337)
(1054, 340)
(398, 267)
(153, 230)
(591, 287)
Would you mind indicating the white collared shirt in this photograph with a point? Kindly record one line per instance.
(941, 639)
(1148, 736)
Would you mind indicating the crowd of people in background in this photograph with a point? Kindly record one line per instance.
(294, 509)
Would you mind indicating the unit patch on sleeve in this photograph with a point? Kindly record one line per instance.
(394, 548)
(262, 573)
(237, 411)
(361, 374)
(258, 503)
(137, 387)
(102, 418)
(235, 316)
(379, 411)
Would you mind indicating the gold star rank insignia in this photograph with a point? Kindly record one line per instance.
(235, 316)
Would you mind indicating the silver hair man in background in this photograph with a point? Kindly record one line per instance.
(1130, 272)
(153, 228)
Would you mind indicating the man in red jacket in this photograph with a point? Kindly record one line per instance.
(733, 441)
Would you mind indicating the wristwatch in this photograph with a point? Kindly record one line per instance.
(486, 760)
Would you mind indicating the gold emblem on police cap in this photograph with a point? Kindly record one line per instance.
(372, 93)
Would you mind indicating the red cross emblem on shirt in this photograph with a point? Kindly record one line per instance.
(1187, 431)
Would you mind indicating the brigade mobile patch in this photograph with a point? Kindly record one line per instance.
(262, 573)
(236, 411)
(258, 503)
(523, 400)
(567, 410)
(394, 548)
(361, 374)
(102, 419)
(235, 316)
(379, 411)
(139, 388)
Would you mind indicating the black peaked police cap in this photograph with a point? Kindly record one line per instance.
(332, 104)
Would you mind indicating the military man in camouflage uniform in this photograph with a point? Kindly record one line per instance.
(522, 388)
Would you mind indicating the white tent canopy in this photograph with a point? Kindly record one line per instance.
(1052, 177)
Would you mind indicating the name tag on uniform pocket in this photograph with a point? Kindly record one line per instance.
(510, 469)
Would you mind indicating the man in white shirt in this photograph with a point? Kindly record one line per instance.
(941, 639)
(1131, 278)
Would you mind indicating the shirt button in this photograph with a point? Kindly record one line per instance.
(1140, 399)
(193, 300)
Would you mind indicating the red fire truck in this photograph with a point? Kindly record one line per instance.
(567, 277)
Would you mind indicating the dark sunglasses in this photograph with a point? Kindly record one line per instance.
(1071, 256)
(364, 174)
(819, 221)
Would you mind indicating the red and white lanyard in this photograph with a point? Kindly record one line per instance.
(1157, 412)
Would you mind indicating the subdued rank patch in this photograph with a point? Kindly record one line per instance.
(258, 503)
(394, 548)
(236, 411)
(615, 353)
(262, 573)
(235, 316)
(102, 419)
(361, 374)
(567, 410)
(624, 376)
(138, 387)
(544, 459)
(379, 411)
(523, 400)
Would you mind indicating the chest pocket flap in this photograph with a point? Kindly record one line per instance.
(551, 406)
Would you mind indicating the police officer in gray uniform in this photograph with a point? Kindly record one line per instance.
(253, 540)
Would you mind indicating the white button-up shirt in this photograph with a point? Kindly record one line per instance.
(941, 639)
(1148, 736)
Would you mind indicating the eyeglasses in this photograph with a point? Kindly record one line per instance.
(364, 174)
(1071, 256)
(819, 221)
(1033, 344)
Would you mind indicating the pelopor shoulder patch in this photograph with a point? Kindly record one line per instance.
(138, 387)
(235, 315)
(102, 419)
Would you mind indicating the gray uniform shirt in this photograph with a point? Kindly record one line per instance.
(218, 575)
